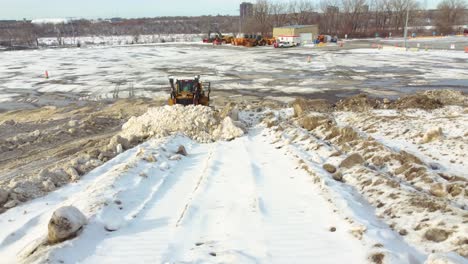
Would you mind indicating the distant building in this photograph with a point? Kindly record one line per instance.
(246, 10)
(303, 33)
(116, 20)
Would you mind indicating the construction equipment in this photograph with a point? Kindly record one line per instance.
(189, 91)
(320, 39)
(214, 35)
(228, 39)
(252, 41)
(270, 41)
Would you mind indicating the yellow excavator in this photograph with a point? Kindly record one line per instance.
(189, 91)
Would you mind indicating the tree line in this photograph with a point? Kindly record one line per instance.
(358, 18)
(355, 18)
(28, 33)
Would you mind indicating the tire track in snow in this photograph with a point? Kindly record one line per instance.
(227, 202)
(147, 236)
(208, 162)
(296, 218)
(223, 216)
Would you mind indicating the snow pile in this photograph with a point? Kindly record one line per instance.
(227, 130)
(197, 122)
(447, 97)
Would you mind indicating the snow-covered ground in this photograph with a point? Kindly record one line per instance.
(416, 39)
(122, 40)
(407, 129)
(241, 201)
(264, 197)
(422, 43)
(142, 71)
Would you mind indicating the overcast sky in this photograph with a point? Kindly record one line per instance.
(31, 9)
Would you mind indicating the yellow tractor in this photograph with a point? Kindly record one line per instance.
(189, 91)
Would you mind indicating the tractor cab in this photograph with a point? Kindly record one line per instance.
(188, 86)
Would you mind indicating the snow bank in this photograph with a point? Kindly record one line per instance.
(417, 197)
(200, 123)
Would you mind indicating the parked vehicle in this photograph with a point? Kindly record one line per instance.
(285, 44)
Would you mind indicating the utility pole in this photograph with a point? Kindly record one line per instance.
(406, 27)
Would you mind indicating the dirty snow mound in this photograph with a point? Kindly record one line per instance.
(447, 97)
(421, 101)
(197, 122)
(357, 103)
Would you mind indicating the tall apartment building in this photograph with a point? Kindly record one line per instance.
(246, 10)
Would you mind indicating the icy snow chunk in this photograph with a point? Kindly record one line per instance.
(113, 223)
(48, 185)
(227, 130)
(65, 223)
(72, 123)
(432, 134)
(119, 148)
(74, 176)
(176, 157)
(164, 166)
(11, 204)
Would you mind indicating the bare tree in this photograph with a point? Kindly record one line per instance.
(450, 14)
(399, 9)
(279, 14)
(261, 16)
(329, 23)
(354, 15)
(300, 11)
